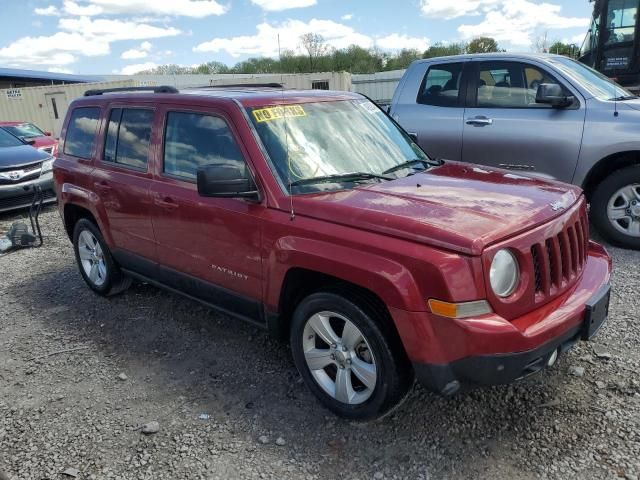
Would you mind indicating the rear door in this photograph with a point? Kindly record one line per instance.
(431, 106)
(208, 247)
(122, 179)
(504, 126)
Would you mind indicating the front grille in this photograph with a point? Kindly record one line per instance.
(23, 200)
(29, 172)
(559, 260)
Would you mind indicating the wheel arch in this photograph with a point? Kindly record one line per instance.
(72, 213)
(606, 166)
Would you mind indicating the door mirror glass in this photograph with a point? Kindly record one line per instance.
(226, 181)
(552, 94)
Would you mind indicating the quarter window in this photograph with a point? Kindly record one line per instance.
(128, 136)
(81, 132)
(510, 85)
(441, 86)
(193, 140)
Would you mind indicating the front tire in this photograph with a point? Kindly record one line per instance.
(615, 207)
(97, 267)
(346, 360)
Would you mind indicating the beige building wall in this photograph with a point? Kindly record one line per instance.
(46, 106)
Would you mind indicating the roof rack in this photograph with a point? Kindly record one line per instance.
(160, 89)
(245, 85)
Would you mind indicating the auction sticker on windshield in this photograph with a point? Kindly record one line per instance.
(275, 113)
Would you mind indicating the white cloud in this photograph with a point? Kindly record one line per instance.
(51, 11)
(63, 47)
(185, 8)
(279, 5)
(449, 9)
(265, 41)
(517, 21)
(347, 17)
(137, 67)
(398, 42)
(135, 53)
(111, 30)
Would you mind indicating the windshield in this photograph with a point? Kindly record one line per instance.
(25, 130)
(310, 140)
(594, 82)
(8, 140)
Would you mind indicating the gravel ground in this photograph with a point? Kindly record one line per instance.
(230, 404)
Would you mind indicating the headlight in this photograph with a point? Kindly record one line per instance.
(47, 165)
(504, 273)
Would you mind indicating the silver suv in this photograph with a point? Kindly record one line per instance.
(546, 115)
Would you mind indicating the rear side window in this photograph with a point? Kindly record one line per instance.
(193, 140)
(81, 132)
(441, 86)
(128, 136)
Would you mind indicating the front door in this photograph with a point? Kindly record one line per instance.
(57, 107)
(505, 127)
(207, 247)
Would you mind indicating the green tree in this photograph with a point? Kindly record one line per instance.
(483, 45)
(402, 59)
(566, 49)
(444, 50)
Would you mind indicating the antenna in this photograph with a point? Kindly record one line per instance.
(286, 134)
(615, 94)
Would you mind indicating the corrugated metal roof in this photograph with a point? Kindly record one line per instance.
(53, 76)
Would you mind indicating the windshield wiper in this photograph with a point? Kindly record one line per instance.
(623, 98)
(340, 177)
(409, 163)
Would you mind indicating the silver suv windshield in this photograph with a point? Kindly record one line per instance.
(598, 85)
(337, 143)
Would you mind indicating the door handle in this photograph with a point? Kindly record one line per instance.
(102, 187)
(167, 203)
(480, 121)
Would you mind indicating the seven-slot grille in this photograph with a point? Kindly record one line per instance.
(560, 259)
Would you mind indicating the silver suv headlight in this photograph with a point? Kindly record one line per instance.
(504, 273)
(47, 165)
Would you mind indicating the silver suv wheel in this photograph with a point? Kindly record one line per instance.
(92, 258)
(339, 358)
(623, 210)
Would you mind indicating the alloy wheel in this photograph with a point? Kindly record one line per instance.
(623, 210)
(92, 258)
(339, 357)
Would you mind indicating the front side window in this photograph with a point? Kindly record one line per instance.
(333, 138)
(128, 136)
(510, 85)
(193, 140)
(81, 132)
(621, 16)
(441, 86)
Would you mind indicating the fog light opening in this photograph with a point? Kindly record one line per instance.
(552, 359)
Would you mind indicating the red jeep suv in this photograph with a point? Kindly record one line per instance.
(314, 215)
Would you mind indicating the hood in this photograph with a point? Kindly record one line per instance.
(20, 156)
(634, 104)
(456, 206)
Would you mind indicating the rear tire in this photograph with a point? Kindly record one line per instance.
(613, 210)
(345, 357)
(95, 262)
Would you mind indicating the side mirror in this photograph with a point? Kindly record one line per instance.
(225, 181)
(552, 94)
(47, 134)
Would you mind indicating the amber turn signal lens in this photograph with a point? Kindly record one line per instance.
(459, 310)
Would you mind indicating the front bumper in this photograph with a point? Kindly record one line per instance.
(20, 195)
(448, 354)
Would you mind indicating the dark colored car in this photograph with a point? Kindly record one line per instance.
(33, 135)
(22, 168)
(313, 215)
